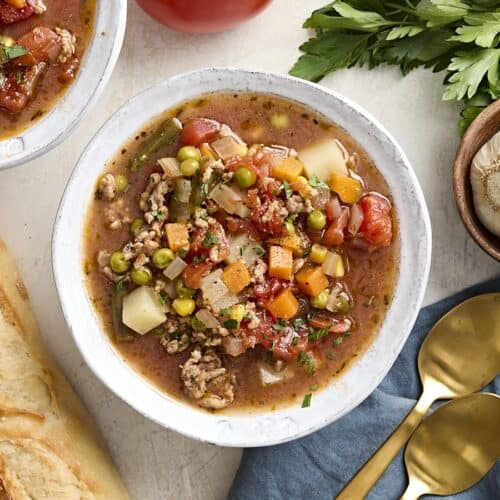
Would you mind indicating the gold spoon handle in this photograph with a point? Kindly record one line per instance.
(359, 486)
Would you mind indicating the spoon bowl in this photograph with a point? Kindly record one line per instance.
(459, 356)
(454, 447)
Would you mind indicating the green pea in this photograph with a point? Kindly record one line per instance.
(182, 290)
(321, 300)
(141, 276)
(188, 153)
(121, 183)
(118, 263)
(189, 167)
(197, 325)
(136, 225)
(341, 305)
(163, 257)
(290, 228)
(245, 177)
(316, 220)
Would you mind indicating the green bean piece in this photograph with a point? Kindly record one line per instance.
(167, 133)
(122, 332)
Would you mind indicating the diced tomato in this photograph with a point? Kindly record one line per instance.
(265, 223)
(217, 239)
(334, 235)
(288, 344)
(266, 291)
(237, 225)
(9, 14)
(377, 224)
(193, 273)
(199, 130)
(15, 96)
(44, 45)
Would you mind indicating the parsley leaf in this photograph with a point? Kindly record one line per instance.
(307, 362)
(316, 182)
(317, 334)
(210, 239)
(280, 325)
(231, 324)
(482, 29)
(9, 52)
(306, 402)
(288, 189)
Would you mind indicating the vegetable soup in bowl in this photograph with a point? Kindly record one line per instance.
(241, 267)
(55, 57)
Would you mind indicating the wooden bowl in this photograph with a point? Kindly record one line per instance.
(482, 129)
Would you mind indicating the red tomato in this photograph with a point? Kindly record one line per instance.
(194, 272)
(377, 224)
(334, 235)
(10, 14)
(199, 130)
(202, 16)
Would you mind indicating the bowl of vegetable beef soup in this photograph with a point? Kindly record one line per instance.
(243, 261)
(55, 58)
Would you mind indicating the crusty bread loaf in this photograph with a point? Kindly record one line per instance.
(49, 446)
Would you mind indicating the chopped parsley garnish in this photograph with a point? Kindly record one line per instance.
(316, 182)
(19, 77)
(307, 362)
(297, 323)
(231, 324)
(9, 52)
(288, 189)
(337, 341)
(316, 334)
(314, 387)
(306, 402)
(176, 335)
(162, 298)
(157, 215)
(226, 310)
(182, 252)
(127, 189)
(210, 239)
(259, 251)
(295, 341)
(204, 189)
(280, 325)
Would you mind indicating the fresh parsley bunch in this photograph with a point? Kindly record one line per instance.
(461, 36)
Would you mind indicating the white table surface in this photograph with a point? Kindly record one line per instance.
(157, 463)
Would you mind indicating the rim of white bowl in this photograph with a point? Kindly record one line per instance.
(97, 66)
(341, 395)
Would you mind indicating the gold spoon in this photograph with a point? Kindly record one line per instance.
(453, 448)
(459, 356)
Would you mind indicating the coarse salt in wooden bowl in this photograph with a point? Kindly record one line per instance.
(482, 129)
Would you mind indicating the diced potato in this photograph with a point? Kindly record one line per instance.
(334, 265)
(294, 243)
(269, 376)
(348, 188)
(228, 147)
(240, 247)
(142, 310)
(284, 306)
(225, 302)
(213, 288)
(280, 262)
(236, 276)
(177, 235)
(311, 280)
(288, 170)
(170, 167)
(323, 158)
(231, 199)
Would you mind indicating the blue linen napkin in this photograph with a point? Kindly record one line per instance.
(318, 466)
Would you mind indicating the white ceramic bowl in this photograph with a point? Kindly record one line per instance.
(343, 394)
(97, 65)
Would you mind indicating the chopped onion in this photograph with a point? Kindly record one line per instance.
(335, 208)
(182, 190)
(269, 376)
(227, 131)
(233, 346)
(207, 318)
(170, 289)
(175, 268)
(230, 199)
(355, 219)
(170, 167)
(228, 147)
(333, 297)
(333, 265)
(225, 302)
